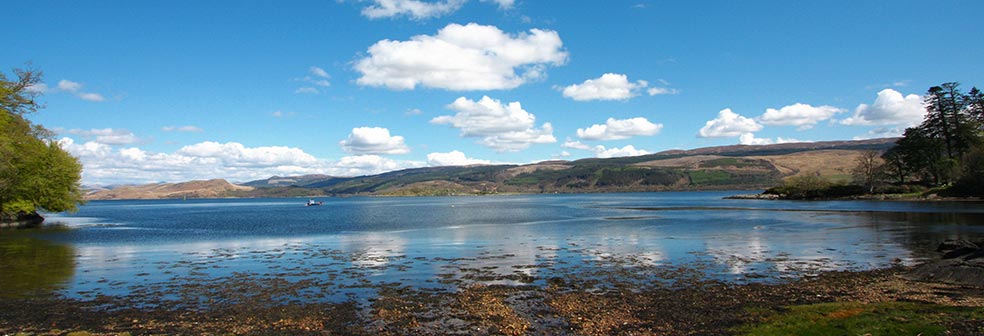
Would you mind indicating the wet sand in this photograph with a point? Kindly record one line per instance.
(675, 303)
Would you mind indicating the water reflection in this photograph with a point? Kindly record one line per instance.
(33, 266)
(446, 243)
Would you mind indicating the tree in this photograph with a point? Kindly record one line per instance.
(974, 102)
(867, 170)
(35, 172)
(948, 119)
(895, 166)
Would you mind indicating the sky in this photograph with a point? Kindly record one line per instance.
(170, 91)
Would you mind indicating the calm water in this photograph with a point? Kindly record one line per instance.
(149, 251)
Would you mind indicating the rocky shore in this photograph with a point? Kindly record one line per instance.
(22, 221)
(563, 307)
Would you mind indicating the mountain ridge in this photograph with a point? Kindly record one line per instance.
(709, 168)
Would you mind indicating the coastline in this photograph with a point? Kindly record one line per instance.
(564, 306)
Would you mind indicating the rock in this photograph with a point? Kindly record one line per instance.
(962, 264)
(955, 244)
(23, 220)
(754, 196)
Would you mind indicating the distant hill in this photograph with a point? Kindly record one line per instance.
(724, 167)
(192, 189)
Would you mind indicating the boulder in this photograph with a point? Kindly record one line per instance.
(961, 264)
(955, 244)
(23, 220)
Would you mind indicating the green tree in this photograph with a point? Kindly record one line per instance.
(949, 119)
(895, 166)
(35, 172)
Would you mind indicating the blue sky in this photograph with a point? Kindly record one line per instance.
(146, 91)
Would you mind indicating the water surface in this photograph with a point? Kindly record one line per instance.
(190, 252)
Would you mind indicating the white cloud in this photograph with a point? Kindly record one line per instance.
(461, 57)
(575, 145)
(318, 78)
(750, 139)
(37, 88)
(415, 9)
(728, 124)
(802, 115)
(883, 132)
(889, 108)
(102, 164)
(609, 86)
(615, 129)
(628, 150)
(319, 72)
(602, 152)
(662, 91)
(95, 97)
(106, 136)
(503, 4)
(69, 86)
(187, 129)
(501, 127)
(373, 140)
(76, 89)
(452, 158)
(234, 154)
(367, 165)
(419, 10)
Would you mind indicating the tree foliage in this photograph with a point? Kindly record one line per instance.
(35, 172)
(946, 147)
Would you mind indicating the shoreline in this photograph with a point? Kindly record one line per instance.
(563, 306)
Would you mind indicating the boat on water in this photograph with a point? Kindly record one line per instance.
(311, 202)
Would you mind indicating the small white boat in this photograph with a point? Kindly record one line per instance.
(313, 203)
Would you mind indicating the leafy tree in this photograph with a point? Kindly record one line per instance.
(895, 166)
(947, 119)
(974, 101)
(35, 173)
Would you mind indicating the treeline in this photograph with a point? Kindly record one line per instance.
(945, 154)
(947, 148)
(35, 172)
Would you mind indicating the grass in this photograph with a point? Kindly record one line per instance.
(852, 318)
(701, 177)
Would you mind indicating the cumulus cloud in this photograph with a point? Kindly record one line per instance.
(367, 165)
(802, 115)
(107, 164)
(187, 129)
(602, 152)
(106, 136)
(462, 57)
(889, 108)
(503, 127)
(453, 158)
(615, 129)
(372, 141)
(609, 86)
(76, 89)
(628, 150)
(728, 124)
(750, 139)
